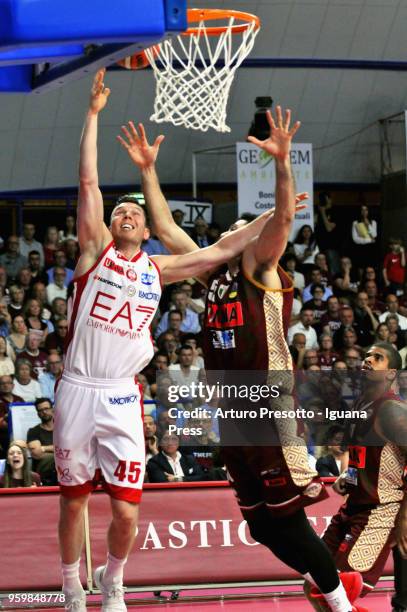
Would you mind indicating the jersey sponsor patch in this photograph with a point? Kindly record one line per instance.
(131, 274)
(109, 263)
(225, 315)
(149, 295)
(147, 279)
(107, 281)
(223, 339)
(352, 476)
(357, 456)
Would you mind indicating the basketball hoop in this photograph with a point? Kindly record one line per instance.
(194, 71)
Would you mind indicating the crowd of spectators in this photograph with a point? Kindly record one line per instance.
(343, 302)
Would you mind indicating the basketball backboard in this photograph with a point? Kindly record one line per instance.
(48, 43)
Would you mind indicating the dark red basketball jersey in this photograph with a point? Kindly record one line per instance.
(376, 467)
(246, 323)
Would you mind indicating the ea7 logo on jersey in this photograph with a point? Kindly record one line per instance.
(223, 339)
(224, 315)
(147, 279)
(109, 263)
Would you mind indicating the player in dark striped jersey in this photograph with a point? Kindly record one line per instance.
(246, 318)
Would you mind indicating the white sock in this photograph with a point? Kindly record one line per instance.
(114, 570)
(309, 579)
(70, 577)
(338, 600)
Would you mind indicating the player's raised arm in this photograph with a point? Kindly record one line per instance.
(93, 235)
(177, 267)
(273, 238)
(144, 156)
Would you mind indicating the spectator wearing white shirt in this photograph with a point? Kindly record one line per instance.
(364, 234)
(57, 289)
(392, 305)
(24, 385)
(305, 246)
(290, 263)
(304, 326)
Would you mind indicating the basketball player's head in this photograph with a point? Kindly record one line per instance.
(241, 222)
(128, 221)
(381, 358)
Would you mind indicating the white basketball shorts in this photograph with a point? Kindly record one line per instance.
(99, 429)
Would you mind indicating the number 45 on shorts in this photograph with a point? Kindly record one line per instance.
(128, 470)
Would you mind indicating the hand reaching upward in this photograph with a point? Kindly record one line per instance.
(137, 146)
(99, 93)
(279, 142)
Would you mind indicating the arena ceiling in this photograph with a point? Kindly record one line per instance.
(39, 135)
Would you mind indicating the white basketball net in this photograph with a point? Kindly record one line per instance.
(196, 96)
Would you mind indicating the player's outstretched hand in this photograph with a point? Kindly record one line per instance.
(99, 93)
(279, 142)
(137, 146)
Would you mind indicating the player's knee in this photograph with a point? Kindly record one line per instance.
(73, 507)
(125, 516)
(259, 532)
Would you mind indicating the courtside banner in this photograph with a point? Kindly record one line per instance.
(256, 179)
(189, 533)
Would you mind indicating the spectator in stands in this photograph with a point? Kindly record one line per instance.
(56, 340)
(174, 324)
(305, 245)
(316, 279)
(17, 298)
(49, 378)
(327, 231)
(392, 307)
(59, 310)
(5, 320)
(37, 271)
(352, 358)
(39, 293)
(6, 363)
(40, 442)
(17, 472)
(200, 233)
(178, 216)
(347, 319)
(195, 304)
(402, 384)
(150, 437)
(394, 265)
(375, 305)
(11, 259)
(170, 465)
(365, 320)
(184, 372)
(345, 282)
(7, 397)
(50, 245)
(364, 234)
(69, 232)
(33, 320)
(331, 322)
(290, 264)
(214, 232)
(322, 263)
(396, 336)
(34, 355)
(333, 460)
(190, 320)
(304, 326)
(382, 333)
(197, 358)
(339, 366)
(28, 243)
(19, 331)
(24, 384)
(310, 358)
(58, 288)
(3, 281)
(317, 303)
(326, 355)
(167, 343)
(59, 262)
(71, 248)
(297, 349)
(24, 280)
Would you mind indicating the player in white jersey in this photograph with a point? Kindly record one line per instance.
(98, 413)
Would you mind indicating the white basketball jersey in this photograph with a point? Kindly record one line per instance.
(110, 314)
